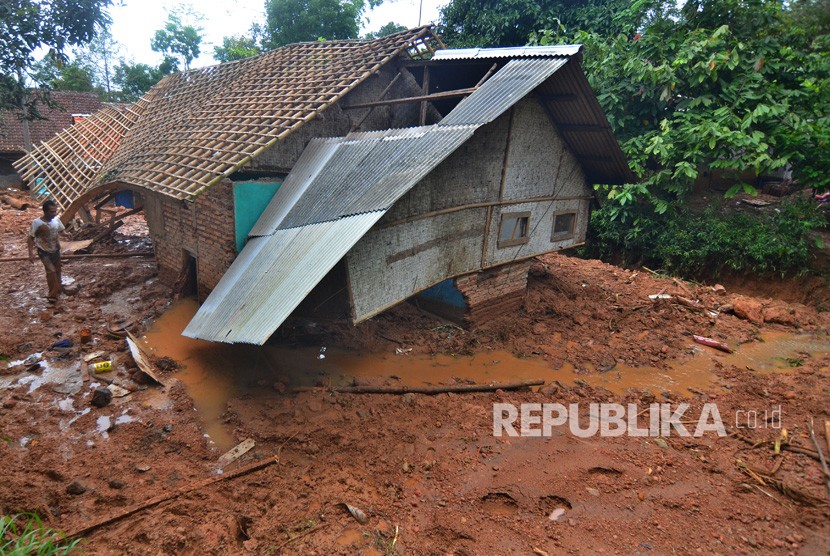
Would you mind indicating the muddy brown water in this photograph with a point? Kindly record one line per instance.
(214, 373)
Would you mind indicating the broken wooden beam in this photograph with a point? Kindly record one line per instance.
(433, 96)
(440, 389)
(170, 495)
(88, 256)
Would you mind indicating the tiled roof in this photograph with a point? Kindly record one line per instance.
(197, 127)
(57, 119)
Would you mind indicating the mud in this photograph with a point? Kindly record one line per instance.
(427, 471)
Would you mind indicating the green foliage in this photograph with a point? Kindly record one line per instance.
(290, 21)
(700, 245)
(99, 57)
(234, 48)
(685, 93)
(133, 80)
(71, 76)
(32, 538)
(490, 23)
(180, 37)
(389, 29)
(27, 26)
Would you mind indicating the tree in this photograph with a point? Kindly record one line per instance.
(27, 26)
(290, 21)
(389, 29)
(133, 80)
(491, 23)
(181, 35)
(100, 57)
(237, 47)
(689, 94)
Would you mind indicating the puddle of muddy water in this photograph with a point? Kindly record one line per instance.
(213, 373)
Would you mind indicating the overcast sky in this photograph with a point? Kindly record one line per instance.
(135, 23)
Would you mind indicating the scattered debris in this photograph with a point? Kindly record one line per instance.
(712, 343)
(556, 514)
(356, 512)
(101, 397)
(170, 495)
(441, 389)
(118, 391)
(141, 359)
(820, 455)
(235, 453)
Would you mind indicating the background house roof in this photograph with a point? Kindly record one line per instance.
(56, 119)
(194, 128)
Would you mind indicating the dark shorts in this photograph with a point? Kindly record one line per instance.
(52, 261)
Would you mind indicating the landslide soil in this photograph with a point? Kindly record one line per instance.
(426, 470)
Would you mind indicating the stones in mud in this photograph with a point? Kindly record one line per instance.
(116, 484)
(75, 488)
(101, 397)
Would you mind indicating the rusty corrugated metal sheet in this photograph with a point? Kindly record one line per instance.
(510, 84)
(271, 276)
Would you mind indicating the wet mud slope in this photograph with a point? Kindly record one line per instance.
(326, 472)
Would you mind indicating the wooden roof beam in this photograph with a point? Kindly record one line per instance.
(434, 96)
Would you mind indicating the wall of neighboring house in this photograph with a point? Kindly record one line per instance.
(203, 229)
(449, 225)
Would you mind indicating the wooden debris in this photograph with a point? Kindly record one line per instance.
(820, 457)
(71, 247)
(235, 453)
(90, 356)
(88, 256)
(683, 287)
(763, 479)
(170, 495)
(456, 388)
(712, 343)
(141, 359)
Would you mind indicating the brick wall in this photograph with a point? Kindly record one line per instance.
(204, 228)
(495, 292)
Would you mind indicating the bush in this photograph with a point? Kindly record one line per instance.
(32, 539)
(698, 245)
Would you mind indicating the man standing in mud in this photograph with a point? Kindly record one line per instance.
(44, 236)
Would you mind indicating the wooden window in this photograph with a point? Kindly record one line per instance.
(514, 229)
(564, 224)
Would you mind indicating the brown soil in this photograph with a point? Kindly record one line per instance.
(426, 470)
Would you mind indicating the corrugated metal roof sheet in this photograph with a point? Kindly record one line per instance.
(371, 173)
(511, 83)
(271, 276)
(510, 52)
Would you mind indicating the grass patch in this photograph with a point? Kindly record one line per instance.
(25, 535)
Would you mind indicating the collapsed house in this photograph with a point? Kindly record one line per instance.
(344, 177)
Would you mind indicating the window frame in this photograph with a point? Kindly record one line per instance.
(570, 234)
(517, 216)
